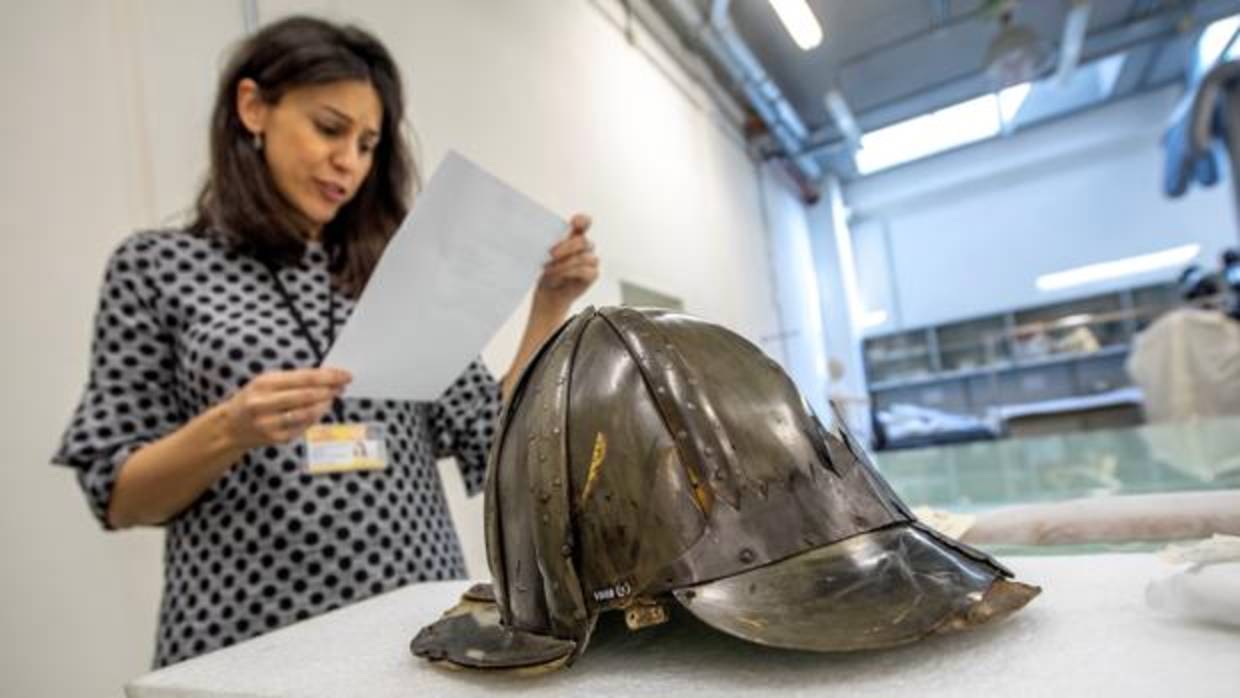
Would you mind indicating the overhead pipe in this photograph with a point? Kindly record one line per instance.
(1157, 26)
(1075, 27)
(716, 35)
(726, 105)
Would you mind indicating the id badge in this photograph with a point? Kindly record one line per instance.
(342, 448)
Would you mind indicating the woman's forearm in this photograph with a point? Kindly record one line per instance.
(544, 319)
(164, 477)
(569, 270)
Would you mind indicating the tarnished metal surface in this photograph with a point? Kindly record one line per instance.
(642, 512)
(479, 592)
(781, 486)
(471, 635)
(878, 589)
(531, 512)
(646, 454)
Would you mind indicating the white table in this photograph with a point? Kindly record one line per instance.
(1088, 634)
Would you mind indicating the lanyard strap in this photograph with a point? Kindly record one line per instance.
(320, 353)
(287, 298)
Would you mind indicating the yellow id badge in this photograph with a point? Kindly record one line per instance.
(342, 448)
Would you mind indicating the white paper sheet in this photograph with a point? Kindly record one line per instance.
(458, 266)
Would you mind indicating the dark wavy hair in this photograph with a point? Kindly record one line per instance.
(240, 202)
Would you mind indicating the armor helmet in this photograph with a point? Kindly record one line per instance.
(648, 458)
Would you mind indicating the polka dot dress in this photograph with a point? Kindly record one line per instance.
(184, 321)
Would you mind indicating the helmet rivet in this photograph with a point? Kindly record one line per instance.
(746, 556)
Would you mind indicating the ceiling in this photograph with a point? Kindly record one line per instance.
(895, 59)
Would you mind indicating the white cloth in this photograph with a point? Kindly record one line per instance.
(1088, 634)
(1188, 365)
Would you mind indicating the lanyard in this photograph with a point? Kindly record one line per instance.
(319, 353)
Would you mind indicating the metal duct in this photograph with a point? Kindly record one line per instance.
(716, 35)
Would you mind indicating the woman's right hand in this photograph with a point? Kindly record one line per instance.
(276, 407)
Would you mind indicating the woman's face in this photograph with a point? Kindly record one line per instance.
(318, 141)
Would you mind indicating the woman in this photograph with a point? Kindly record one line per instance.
(205, 361)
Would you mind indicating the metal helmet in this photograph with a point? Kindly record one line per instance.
(649, 458)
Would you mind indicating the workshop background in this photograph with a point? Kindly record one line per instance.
(992, 233)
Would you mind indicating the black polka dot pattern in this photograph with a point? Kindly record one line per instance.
(183, 321)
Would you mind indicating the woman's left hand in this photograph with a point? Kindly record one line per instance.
(572, 269)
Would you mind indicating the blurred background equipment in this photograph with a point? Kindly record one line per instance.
(910, 426)
(1231, 277)
(1207, 122)
(1188, 365)
(1196, 285)
(1017, 54)
(1033, 322)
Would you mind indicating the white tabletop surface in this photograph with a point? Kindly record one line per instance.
(1088, 634)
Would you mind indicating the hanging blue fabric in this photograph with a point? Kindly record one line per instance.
(1200, 124)
(1184, 164)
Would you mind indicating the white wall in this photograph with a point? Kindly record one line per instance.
(107, 124)
(840, 308)
(801, 348)
(106, 104)
(969, 232)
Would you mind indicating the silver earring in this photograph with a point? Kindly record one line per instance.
(258, 141)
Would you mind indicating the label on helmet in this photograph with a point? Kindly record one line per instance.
(613, 592)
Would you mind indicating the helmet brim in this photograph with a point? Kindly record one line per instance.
(471, 635)
(878, 589)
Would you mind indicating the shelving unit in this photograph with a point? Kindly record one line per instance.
(1063, 350)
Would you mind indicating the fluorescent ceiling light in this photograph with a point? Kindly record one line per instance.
(1214, 39)
(1115, 269)
(1108, 70)
(966, 122)
(970, 121)
(1011, 99)
(800, 22)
